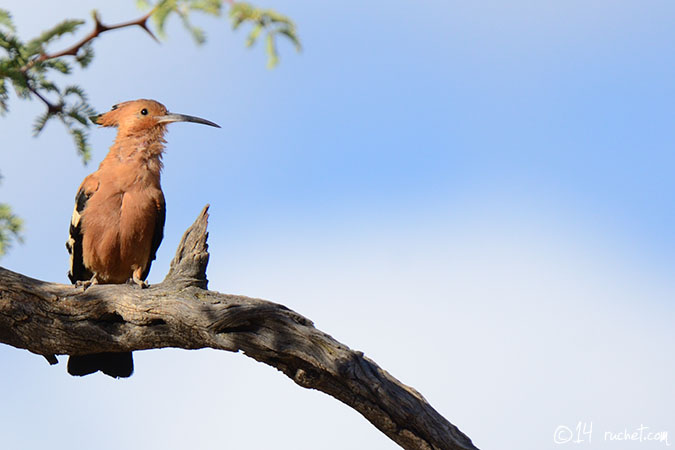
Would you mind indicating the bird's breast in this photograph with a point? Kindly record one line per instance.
(118, 225)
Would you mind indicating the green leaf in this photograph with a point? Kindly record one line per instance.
(48, 86)
(272, 56)
(81, 143)
(10, 228)
(80, 112)
(264, 20)
(75, 90)
(162, 11)
(40, 122)
(4, 97)
(197, 33)
(36, 45)
(21, 87)
(6, 20)
(213, 7)
(57, 64)
(11, 44)
(290, 34)
(85, 55)
(240, 12)
(253, 35)
(142, 4)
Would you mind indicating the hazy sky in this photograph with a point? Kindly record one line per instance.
(477, 195)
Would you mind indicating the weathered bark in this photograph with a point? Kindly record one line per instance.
(55, 319)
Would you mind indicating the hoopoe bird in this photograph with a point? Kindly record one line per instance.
(118, 220)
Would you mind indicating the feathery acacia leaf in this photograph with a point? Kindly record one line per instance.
(75, 90)
(41, 121)
(162, 11)
(48, 86)
(85, 55)
(65, 27)
(4, 96)
(81, 143)
(57, 64)
(6, 20)
(268, 20)
(37, 46)
(253, 35)
(12, 45)
(80, 112)
(292, 36)
(10, 228)
(197, 33)
(272, 58)
(142, 4)
(212, 7)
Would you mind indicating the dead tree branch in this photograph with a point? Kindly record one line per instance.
(55, 319)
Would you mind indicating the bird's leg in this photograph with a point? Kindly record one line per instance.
(90, 282)
(136, 278)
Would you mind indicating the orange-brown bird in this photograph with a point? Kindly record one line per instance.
(118, 220)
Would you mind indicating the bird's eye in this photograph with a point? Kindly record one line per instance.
(144, 112)
(113, 107)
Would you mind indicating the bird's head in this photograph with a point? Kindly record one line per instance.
(142, 115)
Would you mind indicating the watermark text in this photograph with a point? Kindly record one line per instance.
(583, 433)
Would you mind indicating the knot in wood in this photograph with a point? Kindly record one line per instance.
(304, 378)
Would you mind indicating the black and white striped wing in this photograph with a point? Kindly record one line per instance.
(77, 272)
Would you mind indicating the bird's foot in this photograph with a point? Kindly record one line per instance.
(138, 282)
(85, 284)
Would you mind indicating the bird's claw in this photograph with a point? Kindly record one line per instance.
(142, 284)
(86, 283)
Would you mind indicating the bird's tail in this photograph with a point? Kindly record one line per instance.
(116, 365)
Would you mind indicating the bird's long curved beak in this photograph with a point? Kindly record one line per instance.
(171, 117)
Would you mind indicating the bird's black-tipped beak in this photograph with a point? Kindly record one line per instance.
(95, 118)
(171, 117)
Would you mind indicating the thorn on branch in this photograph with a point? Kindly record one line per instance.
(144, 25)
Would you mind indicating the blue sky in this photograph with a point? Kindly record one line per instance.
(479, 196)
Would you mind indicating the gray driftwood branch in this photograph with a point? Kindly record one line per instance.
(55, 319)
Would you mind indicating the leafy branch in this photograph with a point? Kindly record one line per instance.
(28, 66)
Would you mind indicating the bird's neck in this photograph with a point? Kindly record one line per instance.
(141, 149)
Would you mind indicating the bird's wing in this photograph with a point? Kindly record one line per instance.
(157, 235)
(78, 272)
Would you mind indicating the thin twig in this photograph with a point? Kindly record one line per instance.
(52, 108)
(99, 28)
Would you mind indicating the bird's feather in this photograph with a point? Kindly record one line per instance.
(78, 272)
(157, 235)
